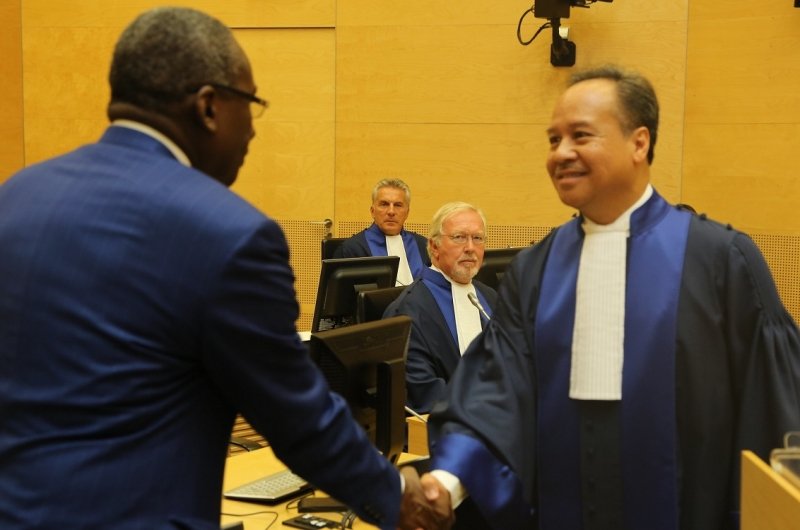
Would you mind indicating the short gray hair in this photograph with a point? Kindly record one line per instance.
(169, 52)
(392, 183)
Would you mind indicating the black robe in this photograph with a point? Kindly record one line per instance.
(372, 242)
(433, 352)
(732, 356)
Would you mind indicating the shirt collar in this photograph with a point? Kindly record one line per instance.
(173, 148)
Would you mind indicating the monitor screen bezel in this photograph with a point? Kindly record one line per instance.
(365, 364)
(340, 281)
(494, 265)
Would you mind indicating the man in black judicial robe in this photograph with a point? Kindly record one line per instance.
(711, 357)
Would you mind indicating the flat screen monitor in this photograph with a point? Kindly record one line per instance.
(495, 263)
(372, 304)
(340, 281)
(366, 364)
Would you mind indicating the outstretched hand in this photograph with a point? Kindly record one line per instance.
(425, 504)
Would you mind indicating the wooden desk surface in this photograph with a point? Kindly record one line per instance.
(246, 467)
(769, 501)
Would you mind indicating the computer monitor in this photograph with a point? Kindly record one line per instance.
(366, 364)
(340, 281)
(372, 304)
(495, 263)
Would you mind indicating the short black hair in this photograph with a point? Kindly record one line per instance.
(636, 95)
(166, 53)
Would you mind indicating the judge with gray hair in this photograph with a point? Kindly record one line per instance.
(448, 309)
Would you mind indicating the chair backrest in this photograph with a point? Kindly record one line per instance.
(329, 246)
(372, 304)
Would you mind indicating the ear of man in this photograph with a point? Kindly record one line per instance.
(206, 108)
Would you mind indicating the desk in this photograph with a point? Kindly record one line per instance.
(247, 467)
(769, 501)
(417, 435)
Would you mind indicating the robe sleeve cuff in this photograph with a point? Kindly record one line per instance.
(492, 485)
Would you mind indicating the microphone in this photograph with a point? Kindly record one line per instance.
(416, 414)
(474, 300)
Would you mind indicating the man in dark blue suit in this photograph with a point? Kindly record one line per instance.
(143, 304)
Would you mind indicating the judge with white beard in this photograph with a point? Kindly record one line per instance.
(445, 320)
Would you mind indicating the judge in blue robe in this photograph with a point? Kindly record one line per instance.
(435, 346)
(391, 201)
(707, 362)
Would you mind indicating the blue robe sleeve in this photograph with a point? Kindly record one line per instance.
(484, 431)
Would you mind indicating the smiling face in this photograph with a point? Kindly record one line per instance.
(595, 165)
(459, 261)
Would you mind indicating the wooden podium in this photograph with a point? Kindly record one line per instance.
(769, 501)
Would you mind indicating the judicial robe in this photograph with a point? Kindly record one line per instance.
(711, 367)
(433, 352)
(372, 242)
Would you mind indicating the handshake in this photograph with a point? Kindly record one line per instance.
(425, 504)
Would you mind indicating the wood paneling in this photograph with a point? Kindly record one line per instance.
(471, 12)
(11, 126)
(66, 87)
(744, 174)
(234, 13)
(289, 172)
(484, 164)
(464, 117)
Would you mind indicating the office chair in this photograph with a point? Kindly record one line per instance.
(371, 304)
(330, 245)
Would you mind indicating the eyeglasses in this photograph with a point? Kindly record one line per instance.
(257, 105)
(461, 239)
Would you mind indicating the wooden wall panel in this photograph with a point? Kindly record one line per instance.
(459, 109)
(234, 13)
(470, 12)
(743, 113)
(485, 164)
(66, 87)
(289, 171)
(744, 174)
(11, 126)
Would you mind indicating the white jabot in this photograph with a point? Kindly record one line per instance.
(395, 247)
(599, 333)
(173, 148)
(468, 318)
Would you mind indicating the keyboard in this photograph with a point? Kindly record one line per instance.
(271, 489)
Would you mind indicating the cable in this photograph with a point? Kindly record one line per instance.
(519, 28)
(249, 514)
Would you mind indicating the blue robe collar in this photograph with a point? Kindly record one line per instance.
(648, 427)
(439, 287)
(376, 241)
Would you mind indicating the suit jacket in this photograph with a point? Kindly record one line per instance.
(356, 246)
(142, 304)
(433, 352)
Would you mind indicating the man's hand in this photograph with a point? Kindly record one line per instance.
(425, 504)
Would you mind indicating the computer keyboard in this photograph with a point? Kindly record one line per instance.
(271, 489)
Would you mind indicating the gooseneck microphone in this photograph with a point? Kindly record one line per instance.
(416, 414)
(474, 300)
